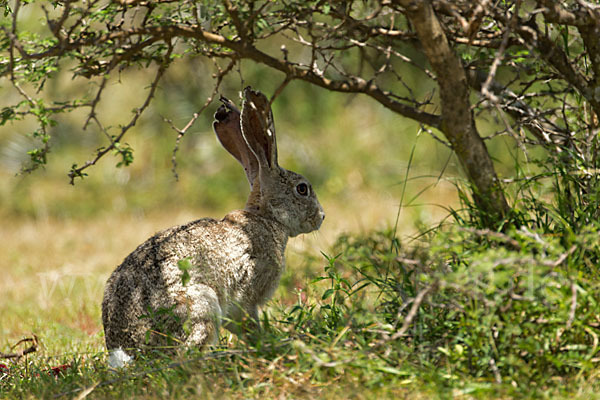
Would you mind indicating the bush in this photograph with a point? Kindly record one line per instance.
(519, 308)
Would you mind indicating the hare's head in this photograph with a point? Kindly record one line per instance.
(276, 193)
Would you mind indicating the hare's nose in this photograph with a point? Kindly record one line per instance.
(322, 215)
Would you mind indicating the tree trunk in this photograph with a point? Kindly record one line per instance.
(458, 124)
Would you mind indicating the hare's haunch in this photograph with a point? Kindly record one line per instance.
(177, 286)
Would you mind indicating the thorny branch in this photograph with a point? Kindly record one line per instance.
(114, 142)
(533, 64)
(181, 132)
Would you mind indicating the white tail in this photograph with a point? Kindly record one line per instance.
(117, 358)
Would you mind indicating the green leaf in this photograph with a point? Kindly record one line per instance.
(327, 294)
(184, 266)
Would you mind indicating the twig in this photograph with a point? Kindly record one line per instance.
(77, 172)
(21, 353)
(572, 311)
(495, 235)
(573, 306)
(280, 88)
(94, 103)
(86, 391)
(412, 313)
(499, 57)
(181, 132)
(497, 376)
(564, 256)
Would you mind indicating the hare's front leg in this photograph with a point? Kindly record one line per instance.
(204, 316)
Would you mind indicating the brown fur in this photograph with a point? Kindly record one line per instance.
(237, 262)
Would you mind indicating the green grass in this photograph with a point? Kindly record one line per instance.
(334, 331)
(481, 314)
(454, 311)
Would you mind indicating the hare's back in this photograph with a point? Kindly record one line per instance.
(146, 278)
(161, 252)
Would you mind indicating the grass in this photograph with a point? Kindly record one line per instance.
(494, 320)
(328, 333)
(481, 314)
(57, 298)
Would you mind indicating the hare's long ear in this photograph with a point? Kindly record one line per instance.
(258, 128)
(228, 130)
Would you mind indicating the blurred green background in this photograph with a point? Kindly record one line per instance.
(60, 242)
(354, 151)
(372, 170)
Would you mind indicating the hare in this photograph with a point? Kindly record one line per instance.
(233, 265)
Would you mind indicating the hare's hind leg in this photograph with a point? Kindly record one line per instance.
(243, 321)
(204, 316)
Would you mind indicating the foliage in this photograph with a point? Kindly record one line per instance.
(462, 311)
(531, 67)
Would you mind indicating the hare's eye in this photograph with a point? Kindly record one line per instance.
(302, 189)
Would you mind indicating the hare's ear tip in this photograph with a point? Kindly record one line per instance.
(226, 102)
(225, 110)
(221, 114)
(248, 91)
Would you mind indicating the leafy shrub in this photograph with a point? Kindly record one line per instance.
(519, 307)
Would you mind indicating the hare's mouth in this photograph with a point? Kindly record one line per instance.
(315, 222)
